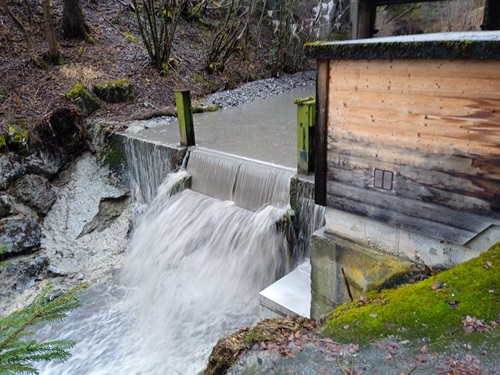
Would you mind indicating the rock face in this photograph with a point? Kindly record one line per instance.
(10, 169)
(5, 206)
(19, 234)
(81, 209)
(44, 163)
(30, 274)
(36, 192)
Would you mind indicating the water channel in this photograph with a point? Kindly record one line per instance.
(195, 263)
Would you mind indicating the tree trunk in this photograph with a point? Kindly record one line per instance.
(50, 33)
(29, 42)
(74, 25)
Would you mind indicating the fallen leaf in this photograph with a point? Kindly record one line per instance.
(346, 326)
(362, 300)
(373, 315)
(423, 349)
(421, 358)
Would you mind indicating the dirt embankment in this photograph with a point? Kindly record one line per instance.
(28, 93)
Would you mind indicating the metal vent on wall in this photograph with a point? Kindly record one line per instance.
(383, 179)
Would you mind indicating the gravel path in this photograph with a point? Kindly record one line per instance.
(261, 89)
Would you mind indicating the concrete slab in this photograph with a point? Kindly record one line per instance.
(290, 295)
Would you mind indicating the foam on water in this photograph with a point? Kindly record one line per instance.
(193, 272)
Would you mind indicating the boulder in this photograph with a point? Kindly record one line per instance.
(114, 92)
(19, 234)
(5, 206)
(10, 170)
(45, 163)
(32, 273)
(36, 192)
(109, 210)
(83, 98)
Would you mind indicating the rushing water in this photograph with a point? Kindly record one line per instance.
(193, 273)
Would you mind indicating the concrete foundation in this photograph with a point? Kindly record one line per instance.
(416, 247)
(342, 269)
(355, 254)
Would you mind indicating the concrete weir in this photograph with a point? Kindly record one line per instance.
(250, 184)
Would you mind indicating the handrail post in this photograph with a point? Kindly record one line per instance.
(306, 120)
(185, 117)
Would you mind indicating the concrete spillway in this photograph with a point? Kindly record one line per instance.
(196, 263)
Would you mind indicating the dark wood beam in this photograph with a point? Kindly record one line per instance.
(322, 89)
(491, 19)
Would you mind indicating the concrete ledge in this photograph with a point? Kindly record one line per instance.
(290, 295)
(340, 266)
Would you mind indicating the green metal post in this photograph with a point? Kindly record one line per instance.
(185, 117)
(306, 120)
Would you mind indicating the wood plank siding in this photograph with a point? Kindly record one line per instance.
(434, 124)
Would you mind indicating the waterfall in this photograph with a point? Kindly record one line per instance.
(194, 269)
(248, 183)
(148, 164)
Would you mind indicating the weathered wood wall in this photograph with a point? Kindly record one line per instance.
(435, 124)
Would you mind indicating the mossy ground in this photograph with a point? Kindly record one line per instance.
(434, 308)
(268, 333)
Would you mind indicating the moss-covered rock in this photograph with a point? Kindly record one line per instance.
(112, 157)
(14, 138)
(83, 98)
(274, 333)
(435, 308)
(115, 92)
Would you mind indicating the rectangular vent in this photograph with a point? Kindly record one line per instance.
(383, 179)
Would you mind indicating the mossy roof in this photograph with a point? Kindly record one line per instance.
(481, 45)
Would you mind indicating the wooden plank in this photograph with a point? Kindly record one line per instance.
(321, 130)
(416, 68)
(421, 217)
(435, 125)
(424, 185)
(418, 77)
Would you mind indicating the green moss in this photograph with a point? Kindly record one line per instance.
(118, 91)
(15, 137)
(129, 37)
(433, 308)
(3, 143)
(83, 98)
(425, 49)
(111, 157)
(210, 108)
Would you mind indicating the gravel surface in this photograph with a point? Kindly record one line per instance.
(261, 89)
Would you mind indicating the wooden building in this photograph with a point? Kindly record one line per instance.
(408, 140)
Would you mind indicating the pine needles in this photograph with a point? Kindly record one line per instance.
(17, 351)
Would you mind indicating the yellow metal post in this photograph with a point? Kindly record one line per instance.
(306, 120)
(185, 117)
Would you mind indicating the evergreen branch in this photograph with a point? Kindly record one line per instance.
(16, 354)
